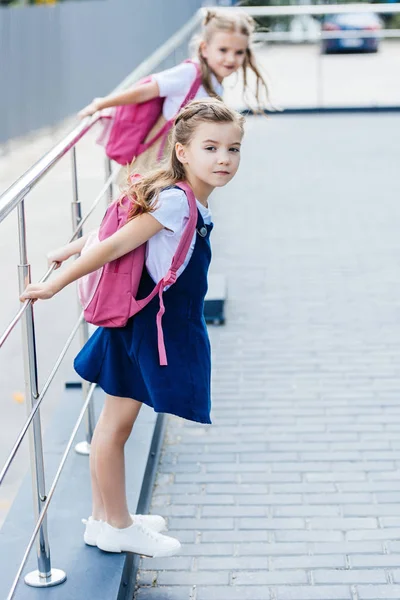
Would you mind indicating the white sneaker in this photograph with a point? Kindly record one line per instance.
(138, 539)
(154, 522)
(93, 527)
(92, 530)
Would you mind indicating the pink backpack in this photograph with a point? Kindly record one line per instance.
(128, 126)
(108, 295)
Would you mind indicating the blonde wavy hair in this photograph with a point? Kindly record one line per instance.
(144, 191)
(232, 21)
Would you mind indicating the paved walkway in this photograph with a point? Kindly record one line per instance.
(293, 493)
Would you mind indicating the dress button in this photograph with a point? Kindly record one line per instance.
(202, 231)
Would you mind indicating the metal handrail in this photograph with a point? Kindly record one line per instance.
(14, 198)
(319, 9)
(286, 36)
(75, 234)
(10, 199)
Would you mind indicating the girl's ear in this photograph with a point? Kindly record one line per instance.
(203, 49)
(180, 152)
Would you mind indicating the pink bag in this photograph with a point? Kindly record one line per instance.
(108, 295)
(129, 125)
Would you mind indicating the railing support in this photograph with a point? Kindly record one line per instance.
(44, 576)
(81, 447)
(108, 172)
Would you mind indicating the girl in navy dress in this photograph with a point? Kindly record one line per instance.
(205, 154)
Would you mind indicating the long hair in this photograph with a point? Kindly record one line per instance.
(234, 21)
(144, 191)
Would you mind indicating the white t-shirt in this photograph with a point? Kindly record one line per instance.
(175, 83)
(173, 213)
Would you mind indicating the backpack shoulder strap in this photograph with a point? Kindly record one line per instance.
(188, 232)
(177, 262)
(167, 126)
(195, 85)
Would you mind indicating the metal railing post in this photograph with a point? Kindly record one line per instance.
(45, 576)
(81, 447)
(320, 80)
(108, 171)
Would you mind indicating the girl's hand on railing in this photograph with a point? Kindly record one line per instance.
(58, 256)
(90, 109)
(37, 291)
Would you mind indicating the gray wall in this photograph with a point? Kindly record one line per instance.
(55, 59)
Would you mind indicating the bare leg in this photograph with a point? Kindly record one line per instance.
(98, 510)
(108, 460)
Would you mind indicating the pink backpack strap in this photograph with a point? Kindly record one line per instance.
(187, 236)
(165, 129)
(194, 88)
(177, 262)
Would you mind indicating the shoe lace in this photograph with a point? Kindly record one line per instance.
(153, 535)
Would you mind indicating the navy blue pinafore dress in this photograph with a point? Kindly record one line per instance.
(125, 361)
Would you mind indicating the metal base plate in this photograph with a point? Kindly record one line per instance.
(83, 448)
(56, 577)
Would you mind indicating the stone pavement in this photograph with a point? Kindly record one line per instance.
(293, 493)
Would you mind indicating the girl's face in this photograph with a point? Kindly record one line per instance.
(225, 53)
(213, 155)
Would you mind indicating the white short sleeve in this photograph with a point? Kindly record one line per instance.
(174, 85)
(172, 208)
(173, 213)
(176, 81)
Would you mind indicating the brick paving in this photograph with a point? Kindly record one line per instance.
(294, 492)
